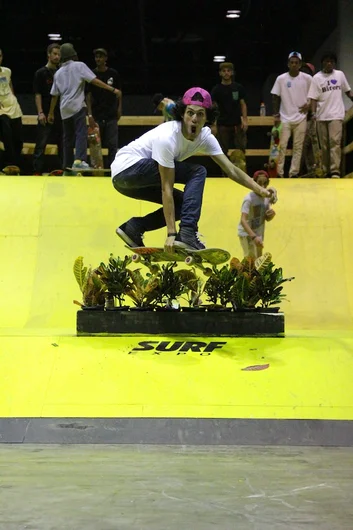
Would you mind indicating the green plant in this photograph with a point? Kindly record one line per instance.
(115, 277)
(219, 285)
(170, 285)
(193, 286)
(142, 290)
(90, 284)
(269, 286)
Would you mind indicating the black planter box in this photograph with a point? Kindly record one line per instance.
(209, 323)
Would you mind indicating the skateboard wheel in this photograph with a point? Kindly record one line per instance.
(189, 260)
(207, 271)
(136, 258)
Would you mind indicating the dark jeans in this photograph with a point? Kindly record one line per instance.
(45, 133)
(142, 181)
(75, 134)
(11, 135)
(109, 137)
(231, 136)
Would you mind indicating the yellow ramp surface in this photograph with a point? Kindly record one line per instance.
(46, 222)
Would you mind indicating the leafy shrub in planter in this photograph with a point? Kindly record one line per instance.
(90, 285)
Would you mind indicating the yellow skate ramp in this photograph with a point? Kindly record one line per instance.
(48, 372)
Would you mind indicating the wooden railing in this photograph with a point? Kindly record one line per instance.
(147, 121)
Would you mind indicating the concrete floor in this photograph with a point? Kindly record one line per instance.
(121, 487)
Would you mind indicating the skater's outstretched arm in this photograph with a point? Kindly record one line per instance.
(236, 174)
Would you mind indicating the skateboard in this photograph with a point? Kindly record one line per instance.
(89, 172)
(238, 158)
(95, 147)
(196, 258)
(317, 170)
(275, 149)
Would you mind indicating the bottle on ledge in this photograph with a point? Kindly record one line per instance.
(262, 109)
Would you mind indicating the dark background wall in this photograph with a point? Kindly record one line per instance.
(164, 47)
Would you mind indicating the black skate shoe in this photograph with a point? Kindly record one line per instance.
(131, 233)
(188, 238)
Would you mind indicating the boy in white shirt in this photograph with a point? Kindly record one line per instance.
(290, 107)
(326, 95)
(255, 210)
(147, 169)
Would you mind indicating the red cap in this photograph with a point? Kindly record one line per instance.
(260, 172)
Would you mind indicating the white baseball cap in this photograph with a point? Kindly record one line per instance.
(295, 54)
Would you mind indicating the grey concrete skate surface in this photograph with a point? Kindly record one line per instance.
(123, 487)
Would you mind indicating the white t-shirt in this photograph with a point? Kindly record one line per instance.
(293, 92)
(256, 208)
(69, 84)
(9, 104)
(328, 90)
(165, 144)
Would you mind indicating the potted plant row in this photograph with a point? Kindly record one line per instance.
(247, 285)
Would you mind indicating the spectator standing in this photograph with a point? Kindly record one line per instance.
(232, 122)
(42, 84)
(105, 108)
(290, 107)
(69, 84)
(10, 122)
(326, 94)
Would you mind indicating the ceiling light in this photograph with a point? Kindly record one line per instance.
(219, 58)
(54, 35)
(233, 13)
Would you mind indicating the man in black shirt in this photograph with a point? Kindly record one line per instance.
(232, 122)
(103, 107)
(42, 83)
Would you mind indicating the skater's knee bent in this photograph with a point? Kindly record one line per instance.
(200, 171)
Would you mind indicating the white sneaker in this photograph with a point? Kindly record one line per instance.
(80, 164)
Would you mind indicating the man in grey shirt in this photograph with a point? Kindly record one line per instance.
(69, 84)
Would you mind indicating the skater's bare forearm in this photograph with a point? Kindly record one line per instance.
(236, 174)
(167, 181)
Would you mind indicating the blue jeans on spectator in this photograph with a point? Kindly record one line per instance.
(75, 134)
(142, 181)
(109, 136)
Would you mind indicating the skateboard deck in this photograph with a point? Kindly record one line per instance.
(95, 147)
(197, 258)
(275, 149)
(238, 158)
(317, 170)
(89, 172)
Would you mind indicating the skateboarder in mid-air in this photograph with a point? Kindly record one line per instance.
(147, 169)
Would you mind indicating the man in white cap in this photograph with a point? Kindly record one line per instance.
(147, 169)
(290, 107)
